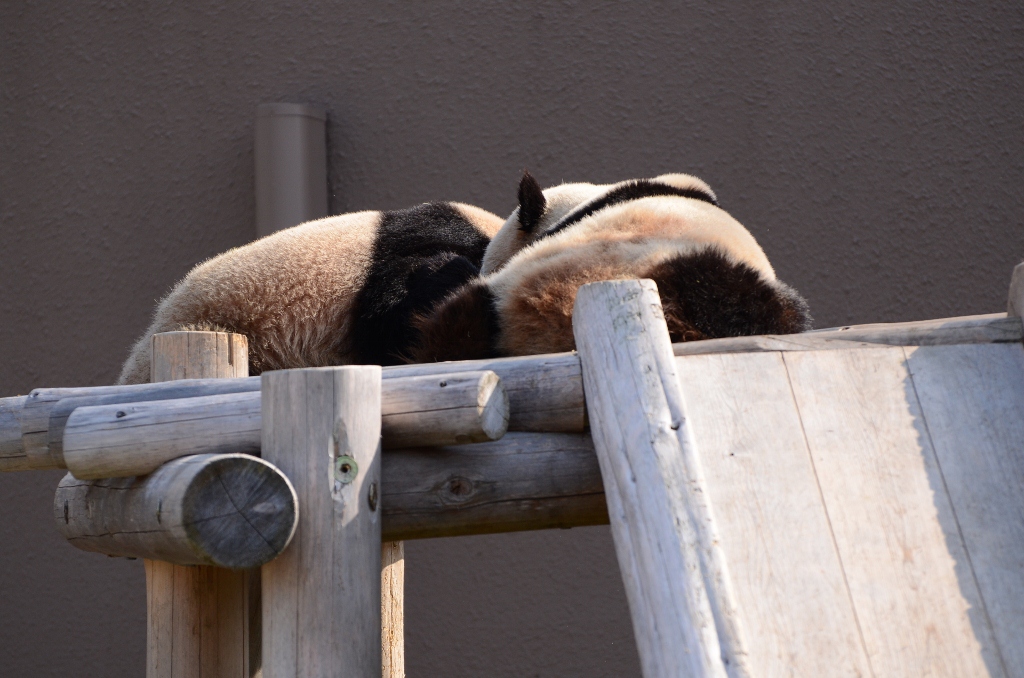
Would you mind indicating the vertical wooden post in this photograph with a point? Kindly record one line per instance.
(1015, 302)
(684, 619)
(321, 597)
(392, 609)
(201, 621)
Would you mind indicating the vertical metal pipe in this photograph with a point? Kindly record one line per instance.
(291, 165)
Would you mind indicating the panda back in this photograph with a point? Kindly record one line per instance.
(419, 256)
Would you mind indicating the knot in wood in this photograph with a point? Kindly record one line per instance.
(458, 489)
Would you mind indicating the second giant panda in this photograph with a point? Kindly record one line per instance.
(339, 290)
(713, 277)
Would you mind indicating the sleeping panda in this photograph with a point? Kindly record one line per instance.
(340, 290)
(713, 278)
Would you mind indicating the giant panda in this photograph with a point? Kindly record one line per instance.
(713, 277)
(339, 290)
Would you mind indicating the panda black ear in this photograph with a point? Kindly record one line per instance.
(531, 203)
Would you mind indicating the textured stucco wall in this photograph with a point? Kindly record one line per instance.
(875, 150)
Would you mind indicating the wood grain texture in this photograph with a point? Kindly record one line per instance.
(12, 451)
(891, 518)
(228, 510)
(321, 598)
(1015, 299)
(982, 329)
(46, 410)
(791, 598)
(109, 441)
(392, 609)
(197, 355)
(133, 439)
(972, 398)
(525, 481)
(181, 597)
(545, 392)
(662, 528)
(444, 409)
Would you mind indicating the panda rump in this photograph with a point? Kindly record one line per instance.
(339, 290)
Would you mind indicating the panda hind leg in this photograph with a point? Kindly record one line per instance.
(707, 295)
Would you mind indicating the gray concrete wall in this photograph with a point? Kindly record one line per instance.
(875, 150)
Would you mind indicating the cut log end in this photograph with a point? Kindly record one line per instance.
(494, 407)
(239, 511)
(229, 510)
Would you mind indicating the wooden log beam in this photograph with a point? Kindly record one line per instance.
(545, 393)
(1015, 299)
(40, 420)
(982, 329)
(321, 598)
(664, 536)
(201, 621)
(228, 510)
(525, 481)
(12, 451)
(119, 440)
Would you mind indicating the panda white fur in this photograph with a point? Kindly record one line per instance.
(339, 290)
(713, 277)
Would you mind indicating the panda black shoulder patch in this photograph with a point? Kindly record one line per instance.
(420, 256)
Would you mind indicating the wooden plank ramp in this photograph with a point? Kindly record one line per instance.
(857, 511)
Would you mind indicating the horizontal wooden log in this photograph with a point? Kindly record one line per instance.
(545, 393)
(447, 409)
(230, 510)
(981, 329)
(525, 481)
(12, 452)
(109, 441)
(41, 419)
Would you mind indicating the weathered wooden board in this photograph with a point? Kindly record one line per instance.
(657, 500)
(895, 530)
(791, 599)
(972, 398)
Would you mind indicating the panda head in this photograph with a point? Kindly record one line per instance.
(538, 210)
(541, 213)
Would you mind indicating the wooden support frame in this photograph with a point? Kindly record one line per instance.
(661, 522)
(322, 596)
(119, 440)
(202, 621)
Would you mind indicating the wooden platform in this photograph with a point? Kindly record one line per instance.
(870, 504)
(786, 511)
